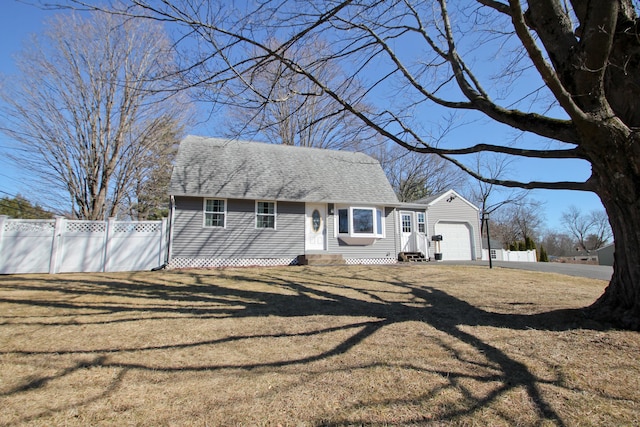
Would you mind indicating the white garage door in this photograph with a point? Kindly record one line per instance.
(456, 240)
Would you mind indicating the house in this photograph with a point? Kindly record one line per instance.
(239, 203)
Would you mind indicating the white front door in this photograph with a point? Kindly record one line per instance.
(407, 238)
(315, 227)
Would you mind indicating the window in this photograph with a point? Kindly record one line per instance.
(266, 215)
(363, 221)
(343, 221)
(360, 222)
(214, 213)
(494, 254)
(421, 223)
(406, 223)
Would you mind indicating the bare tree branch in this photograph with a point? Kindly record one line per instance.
(87, 111)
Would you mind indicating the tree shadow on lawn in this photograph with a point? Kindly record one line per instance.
(296, 293)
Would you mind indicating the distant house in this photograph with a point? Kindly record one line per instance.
(605, 254)
(237, 203)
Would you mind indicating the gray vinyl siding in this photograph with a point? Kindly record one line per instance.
(455, 211)
(381, 248)
(240, 238)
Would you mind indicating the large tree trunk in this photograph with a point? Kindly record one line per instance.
(620, 303)
(617, 173)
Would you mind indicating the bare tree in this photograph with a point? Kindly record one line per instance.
(414, 176)
(591, 230)
(87, 109)
(296, 112)
(578, 61)
(518, 222)
(491, 197)
(558, 244)
(148, 199)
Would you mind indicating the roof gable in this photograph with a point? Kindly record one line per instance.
(212, 167)
(448, 195)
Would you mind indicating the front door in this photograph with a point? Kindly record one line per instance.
(315, 227)
(407, 238)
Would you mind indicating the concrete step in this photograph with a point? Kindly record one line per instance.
(411, 257)
(321, 259)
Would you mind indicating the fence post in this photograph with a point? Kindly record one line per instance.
(58, 229)
(3, 220)
(163, 242)
(107, 244)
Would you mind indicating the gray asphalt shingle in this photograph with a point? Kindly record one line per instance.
(213, 167)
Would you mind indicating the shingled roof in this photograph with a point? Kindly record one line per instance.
(213, 167)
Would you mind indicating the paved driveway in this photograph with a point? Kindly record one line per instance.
(602, 272)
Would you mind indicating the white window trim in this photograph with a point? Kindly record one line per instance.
(403, 215)
(205, 212)
(353, 235)
(275, 215)
(423, 222)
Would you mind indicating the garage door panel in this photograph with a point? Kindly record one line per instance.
(456, 240)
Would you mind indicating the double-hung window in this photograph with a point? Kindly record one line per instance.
(266, 215)
(214, 213)
(422, 226)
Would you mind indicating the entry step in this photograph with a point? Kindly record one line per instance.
(321, 259)
(411, 257)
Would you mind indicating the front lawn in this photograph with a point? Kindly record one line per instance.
(308, 346)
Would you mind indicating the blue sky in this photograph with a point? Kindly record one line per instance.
(18, 20)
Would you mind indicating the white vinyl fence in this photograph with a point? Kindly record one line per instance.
(506, 255)
(61, 245)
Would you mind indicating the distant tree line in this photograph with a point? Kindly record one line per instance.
(519, 227)
(19, 207)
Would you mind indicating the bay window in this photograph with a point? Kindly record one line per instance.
(355, 222)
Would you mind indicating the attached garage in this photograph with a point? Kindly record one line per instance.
(456, 241)
(458, 222)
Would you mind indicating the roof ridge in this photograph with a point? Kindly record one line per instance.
(223, 140)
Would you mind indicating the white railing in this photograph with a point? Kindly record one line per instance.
(61, 245)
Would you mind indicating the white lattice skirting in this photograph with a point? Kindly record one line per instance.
(369, 261)
(260, 262)
(235, 262)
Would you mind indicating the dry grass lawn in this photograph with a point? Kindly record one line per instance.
(311, 346)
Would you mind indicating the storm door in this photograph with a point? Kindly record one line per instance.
(315, 227)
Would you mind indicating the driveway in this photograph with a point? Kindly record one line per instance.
(602, 272)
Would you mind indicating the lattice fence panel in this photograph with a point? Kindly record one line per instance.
(31, 226)
(138, 227)
(85, 227)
